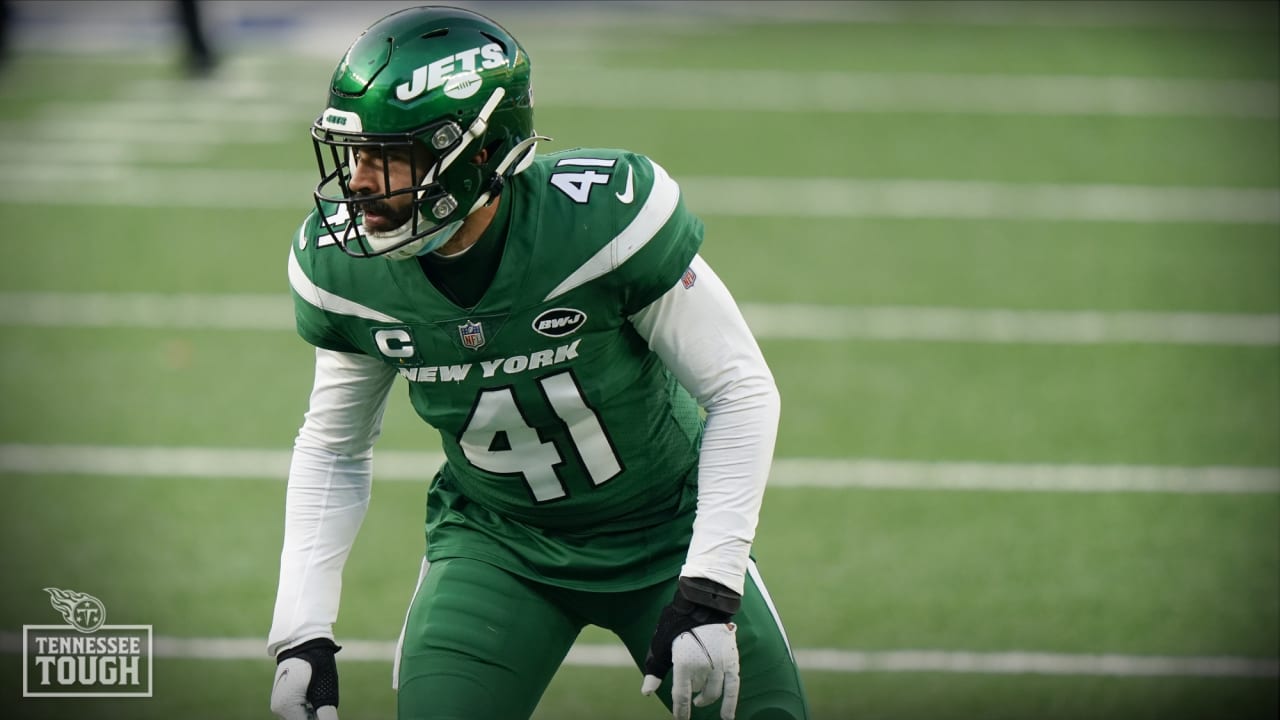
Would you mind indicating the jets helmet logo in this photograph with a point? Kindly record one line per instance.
(435, 74)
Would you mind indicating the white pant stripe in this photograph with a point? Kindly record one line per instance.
(754, 572)
(395, 663)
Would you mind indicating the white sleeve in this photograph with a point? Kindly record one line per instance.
(700, 334)
(329, 485)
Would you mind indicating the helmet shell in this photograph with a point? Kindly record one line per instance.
(420, 65)
(424, 77)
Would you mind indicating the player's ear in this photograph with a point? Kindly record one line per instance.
(481, 157)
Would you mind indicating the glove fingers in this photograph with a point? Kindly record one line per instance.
(650, 684)
(289, 691)
(293, 712)
(732, 684)
(712, 689)
(681, 692)
(328, 712)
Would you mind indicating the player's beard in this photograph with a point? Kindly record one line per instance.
(388, 217)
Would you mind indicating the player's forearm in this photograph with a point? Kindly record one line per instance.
(737, 450)
(327, 498)
(329, 481)
(700, 334)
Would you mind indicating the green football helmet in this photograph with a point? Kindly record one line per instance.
(439, 85)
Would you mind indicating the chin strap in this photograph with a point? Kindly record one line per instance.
(476, 129)
(521, 155)
(522, 152)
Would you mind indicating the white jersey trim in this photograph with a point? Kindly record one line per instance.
(657, 209)
(326, 300)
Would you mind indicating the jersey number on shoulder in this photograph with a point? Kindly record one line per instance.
(338, 221)
(498, 438)
(577, 184)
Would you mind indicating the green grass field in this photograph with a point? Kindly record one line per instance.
(122, 179)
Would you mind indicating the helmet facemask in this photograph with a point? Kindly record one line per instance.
(435, 155)
(446, 92)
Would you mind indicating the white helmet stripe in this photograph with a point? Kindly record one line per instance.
(476, 129)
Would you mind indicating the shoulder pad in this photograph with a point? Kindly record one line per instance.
(619, 210)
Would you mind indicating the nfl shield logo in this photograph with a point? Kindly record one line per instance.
(472, 334)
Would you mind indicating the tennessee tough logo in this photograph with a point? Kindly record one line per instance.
(85, 657)
(82, 611)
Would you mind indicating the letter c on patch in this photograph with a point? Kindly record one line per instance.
(395, 343)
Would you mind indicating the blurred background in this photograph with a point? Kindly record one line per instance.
(1016, 268)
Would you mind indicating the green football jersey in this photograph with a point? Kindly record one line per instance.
(571, 450)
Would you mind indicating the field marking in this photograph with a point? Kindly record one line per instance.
(777, 91)
(324, 31)
(930, 324)
(863, 473)
(153, 132)
(1054, 14)
(978, 200)
(31, 153)
(810, 659)
(910, 92)
(129, 186)
(188, 311)
(817, 90)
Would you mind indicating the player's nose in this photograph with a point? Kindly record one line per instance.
(366, 178)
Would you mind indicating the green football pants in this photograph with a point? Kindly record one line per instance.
(482, 644)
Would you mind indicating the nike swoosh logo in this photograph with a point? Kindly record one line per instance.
(628, 193)
(283, 674)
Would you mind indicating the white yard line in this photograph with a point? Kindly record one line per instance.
(767, 321)
(76, 27)
(400, 466)
(125, 185)
(1201, 16)
(777, 91)
(830, 322)
(977, 200)
(173, 130)
(864, 92)
(145, 310)
(810, 659)
(30, 152)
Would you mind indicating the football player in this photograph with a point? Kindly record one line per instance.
(607, 419)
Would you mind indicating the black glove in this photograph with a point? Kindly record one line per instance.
(306, 680)
(698, 601)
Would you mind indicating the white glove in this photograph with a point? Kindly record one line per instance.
(704, 660)
(306, 684)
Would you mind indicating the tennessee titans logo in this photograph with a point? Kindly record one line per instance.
(82, 611)
(472, 335)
